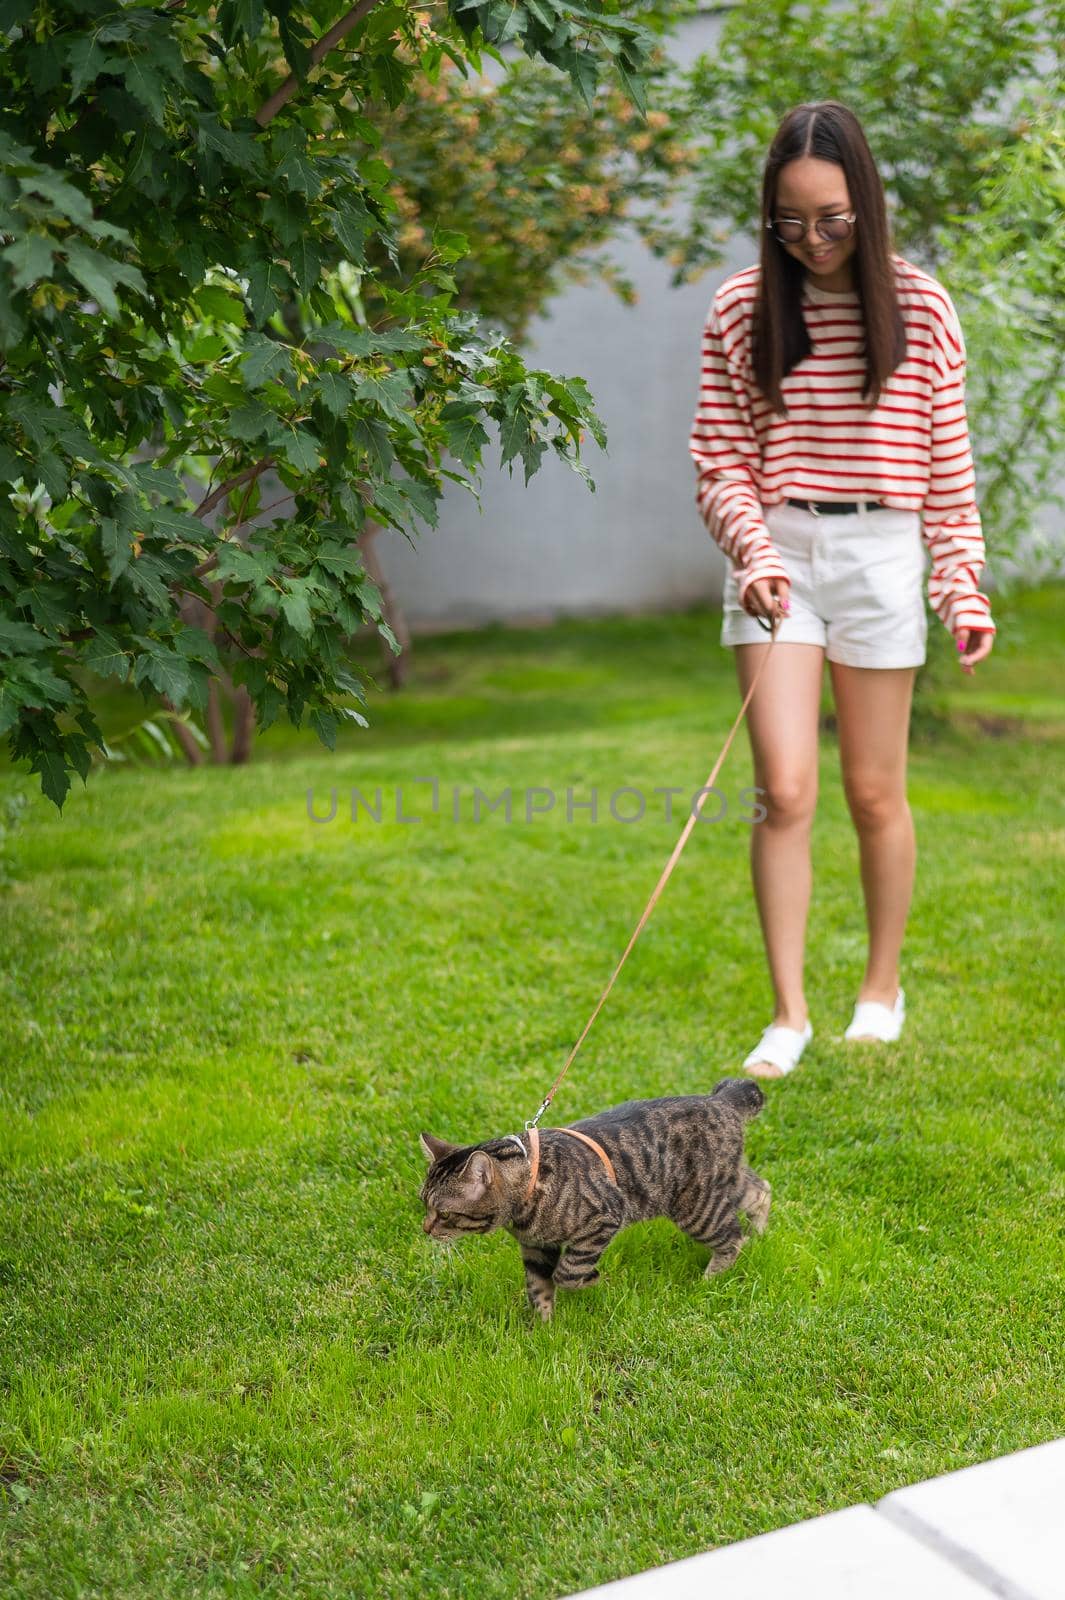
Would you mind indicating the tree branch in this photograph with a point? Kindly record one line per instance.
(208, 504)
(230, 484)
(269, 108)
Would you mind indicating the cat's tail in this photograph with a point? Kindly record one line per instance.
(740, 1093)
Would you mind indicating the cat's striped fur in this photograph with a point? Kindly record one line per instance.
(679, 1157)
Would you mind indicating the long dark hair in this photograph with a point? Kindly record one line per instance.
(831, 132)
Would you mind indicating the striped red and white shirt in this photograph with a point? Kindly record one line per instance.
(911, 451)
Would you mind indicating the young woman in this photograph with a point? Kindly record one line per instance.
(832, 452)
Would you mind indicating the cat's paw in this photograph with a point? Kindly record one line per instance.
(542, 1303)
(720, 1261)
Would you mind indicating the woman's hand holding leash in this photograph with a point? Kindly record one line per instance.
(766, 597)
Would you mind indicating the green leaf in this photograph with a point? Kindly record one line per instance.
(15, 637)
(30, 258)
(633, 87)
(423, 497)
(88, 62)
(247, 566)
(12, 466)
(325, 725)
(42, 683)
(503, 20)
(465, 439)
(146, 86)
(149, 577)
(77, 750)
(372, 436)
(583, 68)
(15, 13)
(105, 656)
(299, 173)
(170, 675)
(195, 644)
(268, 284)
(264, 359)
(268, 704)
(336, 392)
(240, 149)
(513, 434)
(116, 548)
(352, 715)
(12, 322)
(450, 245)
(341, 560)
(392, 504)
(214, 301)
(301, 449)
(532, 453)
(295, 608)
(177, 524)
(240, 17)
(53, 473)
(67, 200)
(390, 76)
(390, 394)
(50, 604)
(251, 421)
(99, 274)
(542, 12)
(205, 350)
(55, 781)
(351, 224)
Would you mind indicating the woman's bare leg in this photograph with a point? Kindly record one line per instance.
(782, 721)
(873, 717)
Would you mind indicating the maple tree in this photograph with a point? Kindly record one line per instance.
(175, 181)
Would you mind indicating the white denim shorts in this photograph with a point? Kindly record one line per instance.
(857, 586)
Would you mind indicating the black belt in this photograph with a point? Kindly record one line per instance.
(822, 506)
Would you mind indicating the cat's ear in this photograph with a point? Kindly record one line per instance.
(478, 1173)
(436, 1149)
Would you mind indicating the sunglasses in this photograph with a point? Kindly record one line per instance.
(792, 230)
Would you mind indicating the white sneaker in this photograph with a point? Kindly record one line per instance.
(781, 1047)
(882, 1022)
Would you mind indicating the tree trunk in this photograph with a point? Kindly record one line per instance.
(243, 725)
(216, 728)
(223, 753)
(193, 753)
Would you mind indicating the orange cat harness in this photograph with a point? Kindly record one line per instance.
(534, 1154)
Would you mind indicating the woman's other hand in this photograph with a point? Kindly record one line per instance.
(973, 645)
(767, 597)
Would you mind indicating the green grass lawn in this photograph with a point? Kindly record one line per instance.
(231, 1362)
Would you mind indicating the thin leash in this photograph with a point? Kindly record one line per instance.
(771, 629)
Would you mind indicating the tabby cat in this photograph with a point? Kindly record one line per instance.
(564, 1193)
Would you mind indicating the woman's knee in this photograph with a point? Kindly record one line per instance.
(875, 804)
(789, 797)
